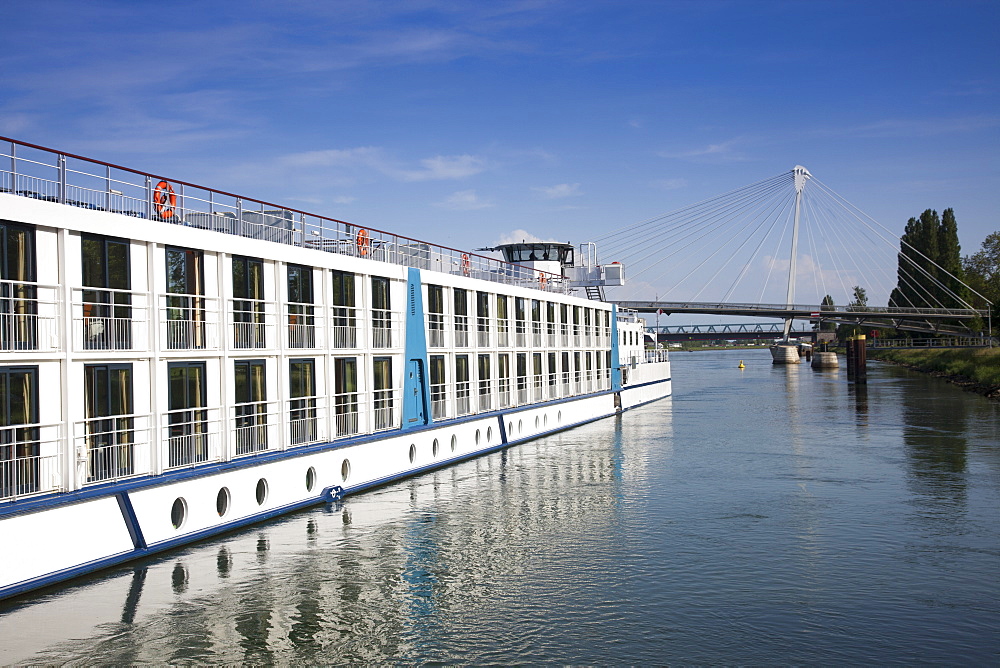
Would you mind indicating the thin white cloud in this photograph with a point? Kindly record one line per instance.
(464, 200)
(519, 235)
(559, 191)
(437, 168)
(445, 167)
(670, 184)
(720, 152)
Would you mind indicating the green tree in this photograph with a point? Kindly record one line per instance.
(918, 253)
(952, 293)
(827, 305)
(982, 272)
(860, 303)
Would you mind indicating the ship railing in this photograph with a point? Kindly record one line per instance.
(307, 421)
(192, 437)
(503, 393)
(252, 322)
(30, 460)
(485, 393)
(344, 325)
(658, 355)
(386, 410)
(550, 334)
(523, 392)
(436, 331)
(564, 335)
(106, 319)
(463, 401)
(461, 331)
(536, 334)
(346, 413)
(41, 173)
(304, 326)
(254, 428)
(189, 322)
(385, 327)
(29, 317)
(439, 401)
(520, 334)
(113, 447)
(483, 328)
(553, 385)
(567, 387)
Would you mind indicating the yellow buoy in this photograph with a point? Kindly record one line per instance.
(741, 365)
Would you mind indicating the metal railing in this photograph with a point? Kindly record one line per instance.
(114, 447)
(29, 170)
(29, 461)
(29, 316)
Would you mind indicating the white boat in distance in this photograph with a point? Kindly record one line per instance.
(177, 361)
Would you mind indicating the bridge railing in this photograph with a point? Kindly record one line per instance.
(811, 311)
(947, 342)
(45, 174)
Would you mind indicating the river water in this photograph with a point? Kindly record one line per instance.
(760, 516)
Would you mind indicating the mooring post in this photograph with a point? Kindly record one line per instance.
(849, 352)
(861, 359)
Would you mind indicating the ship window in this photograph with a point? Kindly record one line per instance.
(110, 424)
(345, 395)
(187, 417)
(462, 389)
(251, 406)
(382, 394)
(248, 304)
(381, 316)
(19, 437)
(345, 470)
(435, 446)
(454, 442)
(302, 407)
(261, 491)
(301, 327)
(178, 512)
(461, 302)
(185, 282)
(17, 265)
(106, 311)
(413, 452)
(222, 500)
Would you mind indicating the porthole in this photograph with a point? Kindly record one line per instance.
(222, 502)
(477, 437)
(520, 426)
(261, 491)
(454, 442)
(559, 417)
(435, 446)
(536, 422)
(345, 470)
(413, 452)
(489, 434)
(310, 479)
(510, 427)
(178, 512)
(545, 419)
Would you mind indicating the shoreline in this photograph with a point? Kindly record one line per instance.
(930, 362)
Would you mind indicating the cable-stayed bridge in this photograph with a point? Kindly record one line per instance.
(789, 234)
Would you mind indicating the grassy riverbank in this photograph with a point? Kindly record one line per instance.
(975, 369)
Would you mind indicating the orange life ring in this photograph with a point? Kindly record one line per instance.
(363, 241)
(164, 200)
(543, 280)
(466, 265)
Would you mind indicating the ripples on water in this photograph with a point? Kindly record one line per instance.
(770, 515)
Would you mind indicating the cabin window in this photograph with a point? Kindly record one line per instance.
(107, 311)
(519, 324)
(435, 316)
(462, 405)
(248, 302)
(485, 389)
(439, 393)
(552, 375)
(110, 424)
(503, 380)
(18, 305)
(381, 315)
(302, 407)
(461, 300)
(185, 287)
(483, 319)
(301, 325)
(537, 380)
(19, 444)
(522, 378)
(344, 317)
(503, 327)
(188, 417)
(382, 379)
(345, 395)
(565, 373)
(251, 406)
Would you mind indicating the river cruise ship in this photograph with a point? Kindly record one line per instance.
(178, 361)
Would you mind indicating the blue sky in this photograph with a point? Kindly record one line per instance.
(463, 122)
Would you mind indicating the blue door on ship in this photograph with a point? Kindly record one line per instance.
(414, 388)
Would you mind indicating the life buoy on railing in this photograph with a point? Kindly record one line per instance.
(164, 200)
(543, 280)
(363, 241)
(466, 265)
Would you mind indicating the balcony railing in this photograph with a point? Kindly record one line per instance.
(189, 322)
(439, 401)
(385, 328)
(193, 436)
(306, 420)
(29, 460)
(386, 409)
(303, 326)
(344, 323)
(252, 322)
(29, 317)
(106, 319)
(114, 447)
(435, 330)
